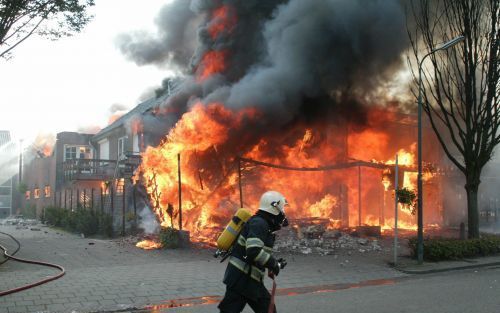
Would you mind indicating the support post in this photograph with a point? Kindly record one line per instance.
(20, 178)
(123, 210)
(77, 198)
(496, 210)
(359, 195)
(180, 189)
(92, 199)
(112, 194)
(85, 198)
(134, 199)
(71, 201)
(102, 202)
(396, 187)
(65, 199)
(239, 182)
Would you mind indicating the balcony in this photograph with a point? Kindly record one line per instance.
(89, 169)
(96, 169)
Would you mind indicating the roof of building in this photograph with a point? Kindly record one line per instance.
(141, 108)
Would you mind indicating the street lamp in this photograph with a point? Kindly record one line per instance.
(420, 232)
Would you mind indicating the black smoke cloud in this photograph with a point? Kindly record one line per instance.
(283, 55)
(171, 45)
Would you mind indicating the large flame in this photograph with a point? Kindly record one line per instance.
(204, 139)
(213, 62)
(209, 139)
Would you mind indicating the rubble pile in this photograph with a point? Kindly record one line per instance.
(316, 239)
(21, 223)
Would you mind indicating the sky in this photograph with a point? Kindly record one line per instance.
(71, 84)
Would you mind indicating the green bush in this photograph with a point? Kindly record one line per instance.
(82, 221)
(55, 216)
(105, 225)
(169, 237)
(29, 211)
(86, 222)
(440, 249)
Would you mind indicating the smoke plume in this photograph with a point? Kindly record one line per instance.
(171, 45)
(277, 53)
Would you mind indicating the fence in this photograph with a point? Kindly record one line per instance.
(117, 201)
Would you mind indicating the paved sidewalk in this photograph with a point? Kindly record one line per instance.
(410, 266)
(112, 275)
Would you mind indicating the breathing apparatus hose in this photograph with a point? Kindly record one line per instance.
(8, 256)
(273, 294)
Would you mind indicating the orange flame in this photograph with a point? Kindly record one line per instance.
(148, 245)
(213, 62)
(47, 150)
(114, 117)
(204, 137)
(223, 21)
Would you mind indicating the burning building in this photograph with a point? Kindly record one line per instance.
(296, 96)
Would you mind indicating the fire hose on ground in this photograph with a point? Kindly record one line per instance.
(11, 257)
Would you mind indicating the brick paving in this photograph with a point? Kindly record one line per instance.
(108, 275)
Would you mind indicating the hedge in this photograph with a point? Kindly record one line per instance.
(82, 221)
(439, 249)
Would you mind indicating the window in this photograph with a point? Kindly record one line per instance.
(36, 193)
(47, 191)
(120, 183)
(27, 195)
(104, 149)
(84, 153)
(121, 146)
(70, 153)
(5, 191)
(104, 188)
(135, 144)
(77, 152)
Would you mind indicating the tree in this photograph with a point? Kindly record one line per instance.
(461, 88)
(19, 19)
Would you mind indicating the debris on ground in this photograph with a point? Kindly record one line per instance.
(20, 222)
(317, 239)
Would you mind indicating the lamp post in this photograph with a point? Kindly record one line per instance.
(420, 231)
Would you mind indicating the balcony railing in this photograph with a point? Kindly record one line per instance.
(89, 169)
(95, 169)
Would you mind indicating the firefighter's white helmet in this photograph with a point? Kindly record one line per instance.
(273, 202)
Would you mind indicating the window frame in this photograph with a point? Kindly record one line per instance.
(123, 142)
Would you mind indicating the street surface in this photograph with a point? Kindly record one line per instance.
(112, 275)
(468, 291)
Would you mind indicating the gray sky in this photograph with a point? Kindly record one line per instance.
(66, 85)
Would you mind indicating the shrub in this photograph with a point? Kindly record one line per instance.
(105, 225)
(440, 249)
(169, 237)
(55, 216)
(86, 222)
(130, 217)
(29, 211)
(82, 221)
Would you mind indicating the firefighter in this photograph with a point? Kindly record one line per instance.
(251, 255)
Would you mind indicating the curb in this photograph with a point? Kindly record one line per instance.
(446, 269)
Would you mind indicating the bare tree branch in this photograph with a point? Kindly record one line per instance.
(461, 92)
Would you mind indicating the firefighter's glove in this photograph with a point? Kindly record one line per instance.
(282, 263)
(275, 269)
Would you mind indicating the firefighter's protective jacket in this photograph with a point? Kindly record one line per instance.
(250, 256)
